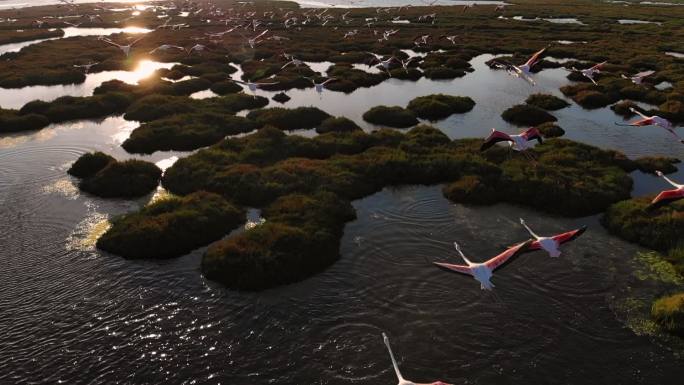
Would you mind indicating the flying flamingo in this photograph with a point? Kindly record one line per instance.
(519, 142)
(166, 47)
(196, 47)
(482, 272)
(255, 40)
(668, 196)
(551, 244)
(654, 120)
(320, 86)
(451, 38)
(384, 63)
(406, 63)
(86, 67)
(590, 72)
(422, 40)
(465, 7)
(125, 48)
(254, 86)
(639, 78)
(402, 380)
(296, 62)
(523, 71)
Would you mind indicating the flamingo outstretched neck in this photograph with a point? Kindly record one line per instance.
(394, 361)
(529, 230)
(458, 249)
(670, 181)
(402, 380)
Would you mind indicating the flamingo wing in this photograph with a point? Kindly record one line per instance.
(642, 122)
(560, 238)
(666, 197)
(261, 34)
(535, 58)
(598, 66)
(495, 137)
(644, 74)
(570, 235)
(532, 134)
(462, 269)
(507, 255)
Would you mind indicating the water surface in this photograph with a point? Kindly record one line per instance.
(15, 98)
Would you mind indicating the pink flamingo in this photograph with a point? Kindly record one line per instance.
(551, 244)
(482, 272)
(519, 142)
(668, 196)
(654, 120)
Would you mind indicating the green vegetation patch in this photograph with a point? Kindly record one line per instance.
(546, 102)
(301, 237)
(651, 164)
(527, 115)
(568, 178)
(337, 124)
(660, 229)
(127, 179)
(89, 164)
(13, 121)
(185, 132)
(172, 226)
(439, 106)
(289, 119)
(668, 312)
(396, 117)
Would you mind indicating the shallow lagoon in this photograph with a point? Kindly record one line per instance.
(15, 98)
(162, 319)
(134, 320)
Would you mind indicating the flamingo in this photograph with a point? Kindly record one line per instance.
(519, 142)
(296, 62)
(405, 63)
(654, 120)
(86, 67)
(451, 38)
(166, 47)
(320, 86)
(590, 72)
(402, 380)
(523, 71)
(482, 272)
(255, 40)
(639, 78)
(668, 196)
(551, 244)
(277, 38)
(125, 48)
(39, 23)
(384, 63)
(351, 34)
(196, 47)
(422, 40)
(254, 86)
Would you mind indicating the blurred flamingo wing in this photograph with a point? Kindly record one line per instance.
(535, 58)
(507, 255)
(455, 268)
(666, 197)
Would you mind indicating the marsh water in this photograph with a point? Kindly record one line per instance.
(73, 314)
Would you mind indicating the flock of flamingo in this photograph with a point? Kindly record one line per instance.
(247, 23)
